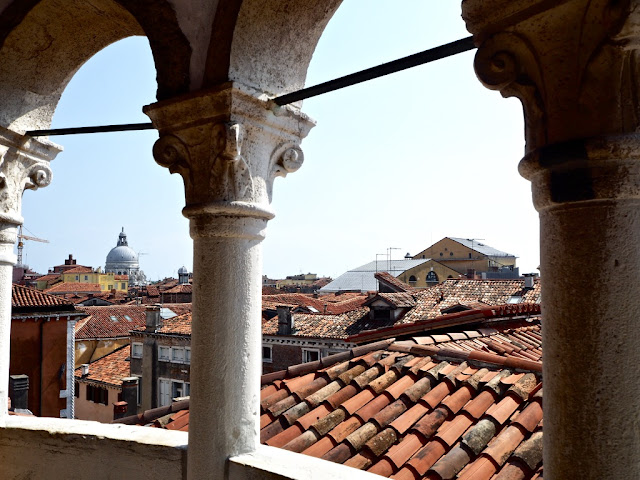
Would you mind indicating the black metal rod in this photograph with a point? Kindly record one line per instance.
(100, 129)
(437, 53)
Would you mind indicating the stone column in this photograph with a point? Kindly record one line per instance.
(24, 164)
(574, 65)
(228, 144)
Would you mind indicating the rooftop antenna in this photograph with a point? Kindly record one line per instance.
(389, 257)
(22, 237)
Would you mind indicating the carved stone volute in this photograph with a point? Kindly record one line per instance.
(573, 64)
(24, 165)
(228, 145)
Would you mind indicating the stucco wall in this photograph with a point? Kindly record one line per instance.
(89, 410)
(56, 448)
(28, 339)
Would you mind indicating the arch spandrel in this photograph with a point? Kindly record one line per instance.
(271, 44)
(44, 43)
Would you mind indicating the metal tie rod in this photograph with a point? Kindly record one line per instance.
(437, 53)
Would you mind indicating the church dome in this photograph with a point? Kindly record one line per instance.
(182, 270)
(122, 253)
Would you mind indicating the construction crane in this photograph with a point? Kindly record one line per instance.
(22, 237)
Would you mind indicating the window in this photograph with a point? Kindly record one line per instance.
(177, 354)
(412, 280)
(77, 278)
(97, 394)
(164, 392)
(123, 286)
(179, 389)
(164, 353)
(76, 389)
(128, 318)
(136, 350)
(267, 353)
(187, 355)
(432, 277)
(310, 355)
(110, 287)
(451, 254)
(86, 277)
(139, 391)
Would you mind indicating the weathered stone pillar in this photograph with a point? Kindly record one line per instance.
(24, 164)
(228, 144)
(574, 65)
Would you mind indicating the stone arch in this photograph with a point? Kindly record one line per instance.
(266, 44)
(44, 42)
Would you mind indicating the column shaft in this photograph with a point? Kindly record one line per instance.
(226, 367)
(7, 261)
(590, 263)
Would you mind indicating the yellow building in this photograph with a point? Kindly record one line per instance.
(107, 281)
(427, 274)
(464, 254)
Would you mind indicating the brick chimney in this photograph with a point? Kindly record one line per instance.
(285, 320)
(19, 393)
(153, 318)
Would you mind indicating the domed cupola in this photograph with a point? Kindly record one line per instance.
(123, 260)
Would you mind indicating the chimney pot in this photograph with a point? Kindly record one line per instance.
(85, 369)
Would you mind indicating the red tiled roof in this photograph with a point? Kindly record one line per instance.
(186, 288)
(22, 296)
(110, 369)
(152, 291)
(180, 325)
(397, 300)
(432, 300)
(411, 411)
(121, 277)
(79, 269)
(49, 276)
(73, 287)
(392, 282)
(322, 326)
(332, 304)
(111, 322)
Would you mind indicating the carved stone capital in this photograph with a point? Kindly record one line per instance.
(579, 172)
(228, 144)
(573, 63)
(24, 164)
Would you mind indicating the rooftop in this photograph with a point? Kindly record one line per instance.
(481, 247)
(115, 321)
(23, 297)
(110, 369)
(363, 279)
(74, 287)
(464, 405)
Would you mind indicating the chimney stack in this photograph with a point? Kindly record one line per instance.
(19, 393)
(130, 395)
(471, 273)
(529, 280)
(119, 410)
(153, 318)
(84, 369)
(285, 320)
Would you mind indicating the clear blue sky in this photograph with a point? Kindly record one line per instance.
(400, 161)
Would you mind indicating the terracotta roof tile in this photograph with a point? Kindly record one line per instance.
(416, 411)
(118, 320)
(110, 369)
(72, 287)
(22, 296)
